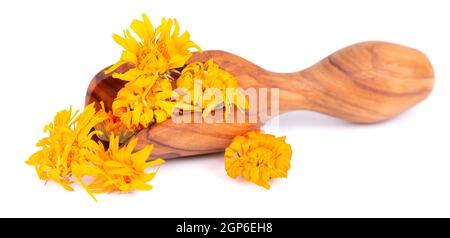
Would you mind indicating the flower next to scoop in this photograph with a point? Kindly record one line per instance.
(69, 140)
(70, 153)
(207, 87)
(258, 157)
(117, 168)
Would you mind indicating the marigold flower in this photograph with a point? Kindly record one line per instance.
(69, 153)
(117, 168)
(112, 125)
(258, 157)
(156, 52)
(70, 138)
(139, 106)
(218, 88)
(154, 57)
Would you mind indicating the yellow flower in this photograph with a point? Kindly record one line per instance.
(155, 57)
(156, 52)
(118, 168)
(139, 104)
(70, 138)
(218, 88)
(258, 157)
(69, 153)
(112, 125)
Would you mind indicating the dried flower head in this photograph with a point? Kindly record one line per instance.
(154, 56)
(117, 168)
(69, 140)
(156, 52)
(112, 125)
(70, 153)
(207, 87)
(258, 157)
(139, 106)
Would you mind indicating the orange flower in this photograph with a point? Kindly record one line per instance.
(154, 55)
(155, 52)
(69, 153)
(112, 125)
(117, 168)
(218, 88)
(69, 140)
(140, 106)
(258, 157)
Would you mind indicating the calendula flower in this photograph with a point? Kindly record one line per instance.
(207, 87)
(258, 157)
(155, 52)
(154, 57)
(139, 106)
(69, 153)
(117, 168)
(69, 140)
(112, 125)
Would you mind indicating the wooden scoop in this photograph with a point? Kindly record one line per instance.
(367, 82)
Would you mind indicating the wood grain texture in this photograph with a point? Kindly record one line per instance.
(367, 82)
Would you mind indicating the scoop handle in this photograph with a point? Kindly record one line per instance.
(364, 83)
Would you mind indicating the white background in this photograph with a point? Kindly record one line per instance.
(50, 50)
